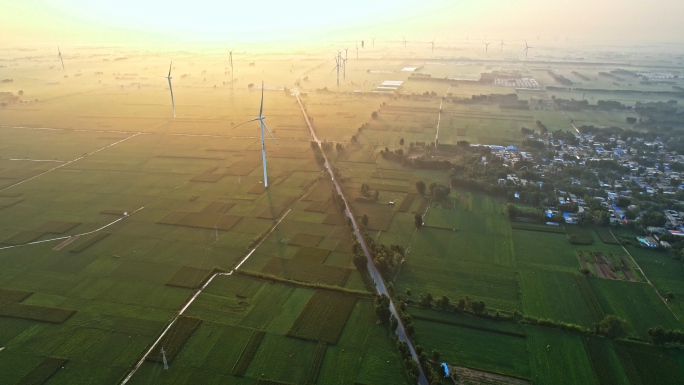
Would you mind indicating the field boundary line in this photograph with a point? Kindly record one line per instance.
(647, 280)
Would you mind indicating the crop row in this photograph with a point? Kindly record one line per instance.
(89, 242)
(316, 363)
(175, 338)
(536, 227)
(248, 353)
(324, 317)
(41, 373)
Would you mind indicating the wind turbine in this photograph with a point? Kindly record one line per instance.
(487, 46)
(432, 43)
(344, 74)
(60, 58)
(231, 66)
(263, 140)
(173, 105)
(337, 67)
(373, 39)
(404, 37)
(527, 47)
(357, 51)
(501, 46)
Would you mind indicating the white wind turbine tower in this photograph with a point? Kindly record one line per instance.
(263, 139)
(231, 66)
(357, 51)
(527, 47)
(344, 66)
(60, 57)
(432, 43)
(173, 105)
(487, 46)
(337, 67)
(373, 39)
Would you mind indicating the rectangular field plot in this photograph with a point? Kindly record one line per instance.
(56, 227)
(478, 349)
(310, 254)
(497, 286)
(324, 317)
(174, 340)
(559, 296)
(189, 277)
(282, 359)
(463, 246)
(637, 303)
(558, 357)
(306, 271)
(46, 369)
(649, 365)
(34, 312)
(202, 220)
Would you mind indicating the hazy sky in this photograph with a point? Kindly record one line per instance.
(85, 21)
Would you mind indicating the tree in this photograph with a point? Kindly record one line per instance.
(393, 324)
(374, 115)
(420, 186)
(339, 147)
(401, 141)
(21, 93)
(364, 220)
(436, 355)
(408, 292)
(360, 261)
(382, 309)
(443, 302)
(441, 192)
(418, 221)
(612, 327)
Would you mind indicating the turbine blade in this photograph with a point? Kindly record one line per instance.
(263, 125)
(251, 120)
(173, 104)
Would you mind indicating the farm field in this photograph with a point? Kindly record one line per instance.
(114, 213)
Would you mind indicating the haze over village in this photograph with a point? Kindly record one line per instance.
(363, 193)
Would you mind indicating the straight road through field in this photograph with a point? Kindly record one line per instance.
(379, 283)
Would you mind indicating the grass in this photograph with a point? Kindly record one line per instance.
(248, 353)
(579, 235)
(406, 203)
(42, 373)
(174, 339)
(324, 317)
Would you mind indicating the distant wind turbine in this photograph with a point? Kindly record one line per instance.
(357, 50)
(60, 58)
(173, 105)
(373, 40)
(501, 46)
(337, 67)
(487, 46)
(527, 47)
(432, 43)
(404, 41)
(231, 66)
(263, 139)
(344, 64)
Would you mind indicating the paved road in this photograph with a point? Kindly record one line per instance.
(379, 283)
